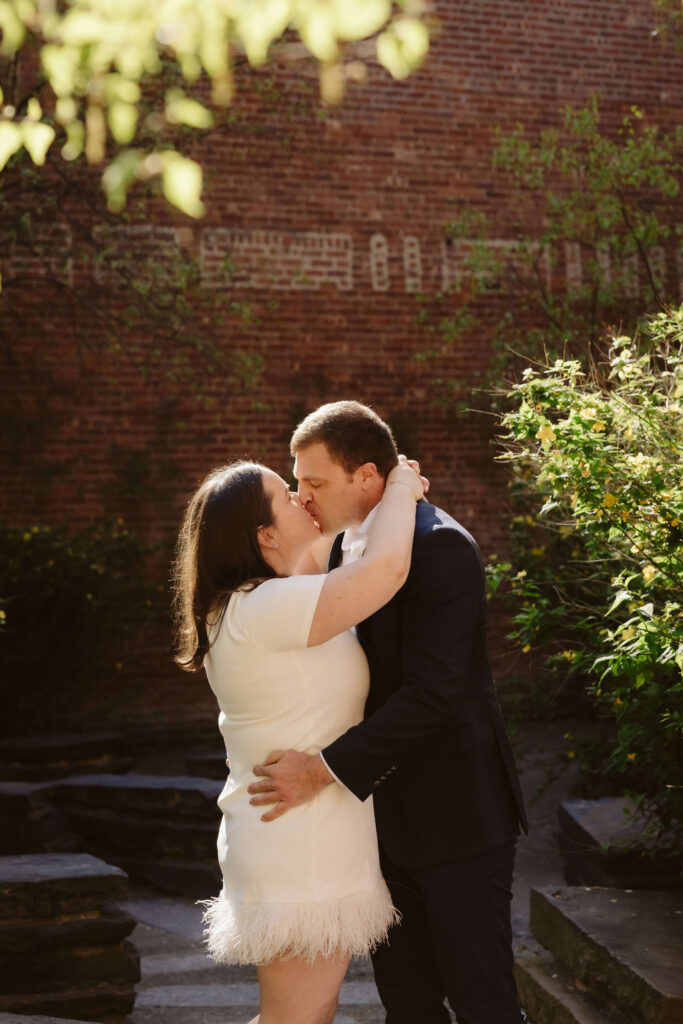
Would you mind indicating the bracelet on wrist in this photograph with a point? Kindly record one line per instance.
(404, 484)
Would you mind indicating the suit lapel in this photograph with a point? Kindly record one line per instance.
(335, 552)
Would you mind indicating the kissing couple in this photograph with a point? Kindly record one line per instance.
(342, 628)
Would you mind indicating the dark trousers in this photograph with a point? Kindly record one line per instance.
(454, 942)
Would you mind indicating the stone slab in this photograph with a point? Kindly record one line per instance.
(625, 946)
(57, 969)
(55, 756)
(103, 1003)
(547, 996)
(149, 794)
(49, 885)
(108, 832)
(199, 879)
(110, 927)
(15, 1018)
(208, 764)
(28, 822)
(603, 843)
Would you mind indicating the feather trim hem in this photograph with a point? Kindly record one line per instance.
(255, 933)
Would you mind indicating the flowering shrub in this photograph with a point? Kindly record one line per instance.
(597, 587)
(71, 605)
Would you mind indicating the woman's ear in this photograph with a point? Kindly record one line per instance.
(266, 538)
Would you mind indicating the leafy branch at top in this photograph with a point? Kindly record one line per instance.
(95, 57)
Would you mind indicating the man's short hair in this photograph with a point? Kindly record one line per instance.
(352, 433)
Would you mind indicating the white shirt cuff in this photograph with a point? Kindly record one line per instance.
(335, 777)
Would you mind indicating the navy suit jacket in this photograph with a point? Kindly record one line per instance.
(432, 749)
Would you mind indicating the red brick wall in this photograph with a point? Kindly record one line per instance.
(334, 224)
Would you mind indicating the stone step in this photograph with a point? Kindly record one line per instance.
(625, 947)
(25, 937)
(605, 843)
(197, 880)
(56, 969)
(30, 822)
(43, 886)
(209, 764)
(550, 997)
(171, 795)
(112, 835)
(49, 757)
(15, 1018)
(64, 948)
(104, 1003)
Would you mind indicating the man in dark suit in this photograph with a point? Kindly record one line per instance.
(432, 750)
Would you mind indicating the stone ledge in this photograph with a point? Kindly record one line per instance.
(184, 794)
(104, 1004)
(549, 997)
(15, 1018)
(603, 844)
(52, 884)
(623, 946)
(30, 823)
(111, 926)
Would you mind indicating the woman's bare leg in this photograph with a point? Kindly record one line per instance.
(300, 992)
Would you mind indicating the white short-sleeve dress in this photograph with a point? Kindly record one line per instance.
(308, 883)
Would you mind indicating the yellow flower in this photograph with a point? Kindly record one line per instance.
(598, 427)
(589, 413)
(521, 574)
(28, 535)
(598, 693)
(628, 633)
(585, 471)
(618, 702)
(648, 572)
(3, 616)
(569, 655)
(571, 753)
(537, 552)
(545, 434)
(609, 500)
(526, 648)
(634, 549)
(628, 434)
(625, 516)
(631, 757)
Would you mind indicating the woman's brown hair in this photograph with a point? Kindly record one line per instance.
(217, 553)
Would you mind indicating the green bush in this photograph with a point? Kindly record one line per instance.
(72, 605)
(597, 582)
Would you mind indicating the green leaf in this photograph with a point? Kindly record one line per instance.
(123, 120)
(182, 183)
(622, 596)
(403, 46)
(13, 31)
(357, 19)
(10, 141)
(37, 139)
(119, 175)
(180, 109)
(316, 26)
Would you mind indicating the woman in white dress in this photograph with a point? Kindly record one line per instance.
(304, 893)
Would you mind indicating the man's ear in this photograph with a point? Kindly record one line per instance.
(367, 474)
